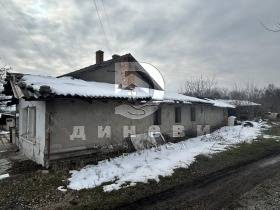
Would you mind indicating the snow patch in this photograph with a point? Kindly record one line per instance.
(62, 189)
(4, 132)
(144, 165)
(3, 176)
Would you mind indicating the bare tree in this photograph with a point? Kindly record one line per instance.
(248, 92)
(200, 87)
(3, 72)
(270, 99)
(3, 98)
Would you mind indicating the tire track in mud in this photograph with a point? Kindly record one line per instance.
(216, 191)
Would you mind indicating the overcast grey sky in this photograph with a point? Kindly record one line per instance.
(183, 38)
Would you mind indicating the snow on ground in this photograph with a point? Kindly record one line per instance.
(271, 137)
(62, 189)
(4, 132)
(3, 176)
(128, 169)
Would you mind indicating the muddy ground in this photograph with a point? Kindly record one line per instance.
(253, 186)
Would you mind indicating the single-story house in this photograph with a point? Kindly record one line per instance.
(100, 107)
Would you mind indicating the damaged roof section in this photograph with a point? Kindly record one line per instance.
(32, 87)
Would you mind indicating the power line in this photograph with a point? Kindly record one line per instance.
(102, 27)
(29, 37)
(109, 26)
(25, 32)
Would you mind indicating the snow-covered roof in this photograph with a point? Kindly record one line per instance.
(182, 98)
(242, 103)
(231, 103)
(70, 87)
(7, 109)
(221, 103)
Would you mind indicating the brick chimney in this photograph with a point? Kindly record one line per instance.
(99, 56)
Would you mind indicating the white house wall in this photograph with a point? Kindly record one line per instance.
(33, 149)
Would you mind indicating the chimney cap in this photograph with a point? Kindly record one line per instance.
(99, 51)
(115, 56)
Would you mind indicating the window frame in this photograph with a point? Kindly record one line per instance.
(157, 116)
(193, 113)
(29, 122)
(178, 114)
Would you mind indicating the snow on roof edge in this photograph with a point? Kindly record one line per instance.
(68, 86)
(232, 103)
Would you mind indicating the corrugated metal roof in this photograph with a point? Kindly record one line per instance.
(34, 87)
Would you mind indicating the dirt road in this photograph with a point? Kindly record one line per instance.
(236, 188)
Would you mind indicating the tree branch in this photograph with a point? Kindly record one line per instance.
(269, 29)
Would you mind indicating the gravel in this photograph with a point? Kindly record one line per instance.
(264, 196)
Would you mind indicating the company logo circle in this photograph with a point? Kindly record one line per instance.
(141, 82)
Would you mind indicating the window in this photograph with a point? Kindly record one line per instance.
(29, 122)
(193, 117)
(8, 120)
(177, 114)
(157, 116)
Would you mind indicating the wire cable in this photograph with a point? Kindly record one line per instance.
(25, 32)
(31, 40)
(102, 27)
(113, 38)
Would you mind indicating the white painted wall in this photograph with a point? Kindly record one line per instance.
(33, 148)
